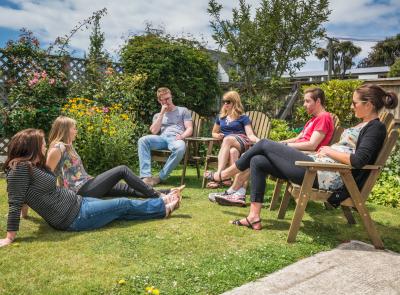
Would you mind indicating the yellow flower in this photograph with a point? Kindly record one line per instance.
(122, 282)
(149, 290)
(156, 292)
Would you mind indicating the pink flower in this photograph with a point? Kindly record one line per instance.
(105, 110)
(44, 74)
(36, 75)
(33, 82)
(52, 81)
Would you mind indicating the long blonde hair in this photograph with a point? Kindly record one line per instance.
(237, 107)
(60, 130)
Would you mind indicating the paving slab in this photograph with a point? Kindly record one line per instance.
(351, 268)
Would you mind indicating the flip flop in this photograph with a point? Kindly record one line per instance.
(249, 224)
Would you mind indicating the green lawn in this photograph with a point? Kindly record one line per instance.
(196, 251)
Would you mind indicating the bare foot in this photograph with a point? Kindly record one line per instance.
(173, 204)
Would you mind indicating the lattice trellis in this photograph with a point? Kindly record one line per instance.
(3, 146)
(74, 68)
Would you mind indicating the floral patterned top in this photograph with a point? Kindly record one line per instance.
(331, 181)
(70, 171)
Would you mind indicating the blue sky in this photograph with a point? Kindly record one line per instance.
(362, 19)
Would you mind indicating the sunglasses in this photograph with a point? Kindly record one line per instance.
(226, 102)
(354, 103)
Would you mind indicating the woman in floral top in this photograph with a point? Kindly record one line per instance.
(63, 159)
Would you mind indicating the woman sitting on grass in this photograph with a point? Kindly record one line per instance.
(235, 131)
(358, 146)
(30, 181)
(65, 162)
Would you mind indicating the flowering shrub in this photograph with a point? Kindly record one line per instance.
(125, 89)
(37, 102)
(107, 136)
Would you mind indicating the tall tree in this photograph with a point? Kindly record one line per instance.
(97, 58)
(384, 53)
(343, 54)
(277, 39)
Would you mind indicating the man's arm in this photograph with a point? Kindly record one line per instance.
(311, 145)
(188, 130)
(156, 126)
(293, 139)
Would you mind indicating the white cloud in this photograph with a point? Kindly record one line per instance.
(49, 19)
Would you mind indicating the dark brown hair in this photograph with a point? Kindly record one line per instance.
(26, 146)
(316, 93)
(377, 96)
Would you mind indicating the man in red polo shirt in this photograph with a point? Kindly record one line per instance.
(317, 132)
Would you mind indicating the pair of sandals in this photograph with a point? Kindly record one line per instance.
(213, 183)
(248, 225)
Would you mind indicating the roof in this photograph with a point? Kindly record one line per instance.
(354, 71)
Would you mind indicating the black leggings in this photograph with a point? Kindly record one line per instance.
(271, 158)
(107, 184)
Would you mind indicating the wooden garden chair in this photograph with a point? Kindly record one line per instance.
(302, 194)
(191, 152)
(337, 132)
(261, 125)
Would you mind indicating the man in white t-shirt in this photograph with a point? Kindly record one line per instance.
(169, 129)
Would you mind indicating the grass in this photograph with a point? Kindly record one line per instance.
(196, 251)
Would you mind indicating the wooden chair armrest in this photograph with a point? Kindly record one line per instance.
(332, 166)
(202, 139)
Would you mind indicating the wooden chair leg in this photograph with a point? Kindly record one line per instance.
(209, 150)
(197, 161)
(301, 204)
(284, 203)
(362, 210)
(185, 161)
(276, 194)
(349, 216)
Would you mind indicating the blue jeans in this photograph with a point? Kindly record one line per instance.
(159, 142)
(96, 213)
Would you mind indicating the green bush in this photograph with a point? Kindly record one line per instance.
(280, 130)
(107, 136)
(338, 98)
(387, 188)
(395, 69)
(37, 100)
(177, 64)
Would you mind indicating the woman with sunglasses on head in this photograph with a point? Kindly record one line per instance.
(233, 127)
(358, 146)
(31, 182)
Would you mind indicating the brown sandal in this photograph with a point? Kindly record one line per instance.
(249, 224)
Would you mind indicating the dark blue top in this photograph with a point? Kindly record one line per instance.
(233, 127)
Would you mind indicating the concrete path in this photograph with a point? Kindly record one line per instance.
(352, 268)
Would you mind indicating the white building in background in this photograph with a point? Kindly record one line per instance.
(356, 73)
